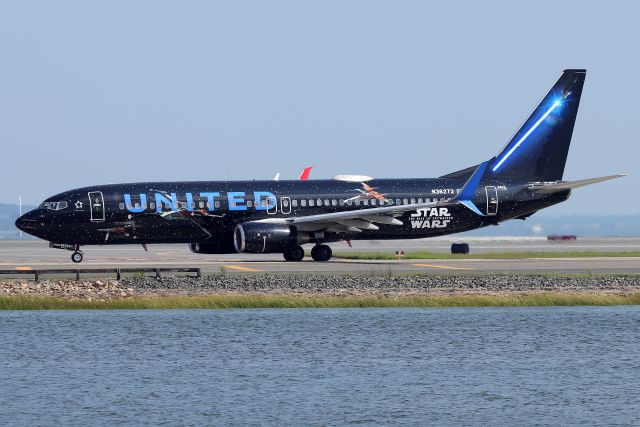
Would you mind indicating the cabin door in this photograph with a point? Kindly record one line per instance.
(96, 203)
(492, 200)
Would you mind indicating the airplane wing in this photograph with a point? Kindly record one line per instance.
(356, 220)
(552, 187)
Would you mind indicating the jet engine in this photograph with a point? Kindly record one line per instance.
(257, 237)
(222, 245)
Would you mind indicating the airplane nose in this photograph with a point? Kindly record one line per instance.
(20, 223)
(26, 223)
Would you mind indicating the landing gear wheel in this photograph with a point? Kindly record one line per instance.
(76, 257)
(321, 253)
(295, 253)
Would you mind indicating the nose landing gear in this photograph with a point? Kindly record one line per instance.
(76, 257)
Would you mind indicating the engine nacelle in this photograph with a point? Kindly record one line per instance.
(224, 245)
(260, 237)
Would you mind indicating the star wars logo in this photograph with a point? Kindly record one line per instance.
(431, 218)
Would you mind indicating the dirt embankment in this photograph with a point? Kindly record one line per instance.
(333, 285)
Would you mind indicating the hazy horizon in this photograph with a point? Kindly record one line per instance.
(96, 93)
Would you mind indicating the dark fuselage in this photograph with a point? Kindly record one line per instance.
(193, 212)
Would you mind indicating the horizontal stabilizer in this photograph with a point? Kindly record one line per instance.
(352, 178)
(552, 187)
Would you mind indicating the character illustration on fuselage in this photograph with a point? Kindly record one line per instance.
(280, 216)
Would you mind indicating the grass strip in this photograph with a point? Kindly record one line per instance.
(234, 301)
(486, 255)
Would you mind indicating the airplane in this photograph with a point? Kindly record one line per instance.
(217, 217)
(304, 176)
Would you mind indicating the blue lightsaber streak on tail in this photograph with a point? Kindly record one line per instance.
(555, 105)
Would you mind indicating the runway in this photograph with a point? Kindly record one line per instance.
(37, 255)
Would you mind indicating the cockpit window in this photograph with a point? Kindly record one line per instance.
(54, 206)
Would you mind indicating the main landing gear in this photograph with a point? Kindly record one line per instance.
(294, 253)
(318, 253)
(321, 253)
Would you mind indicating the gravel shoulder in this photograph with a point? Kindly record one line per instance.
(325, 285)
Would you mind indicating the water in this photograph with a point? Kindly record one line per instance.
(323, 367)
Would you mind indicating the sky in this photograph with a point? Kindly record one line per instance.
(122, 91)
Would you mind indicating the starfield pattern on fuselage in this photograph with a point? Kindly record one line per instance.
(280, 216)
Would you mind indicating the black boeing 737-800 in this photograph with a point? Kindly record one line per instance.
(216, 217)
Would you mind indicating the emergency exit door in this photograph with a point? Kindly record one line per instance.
(492, 200)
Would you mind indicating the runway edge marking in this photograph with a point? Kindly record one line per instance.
(441, 266)
(240, 268)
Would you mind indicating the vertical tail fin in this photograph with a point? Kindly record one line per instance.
(538, 150)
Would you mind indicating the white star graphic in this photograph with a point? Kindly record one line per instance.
(78, 204)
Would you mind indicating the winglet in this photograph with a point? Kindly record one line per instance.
(304, 176)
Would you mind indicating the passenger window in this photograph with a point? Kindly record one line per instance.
(398, 201)
(365, 202)
(285, 202)
(357, 202)
(349, 202)
(294, 203)
(419, 199)
(193, 205)
(326, 202)
(216, 203)
(334, 202)
(312, 202)
(319, 202)
(341, 202)
(303, 202)
(121, 206)
(249, 203)
(405, 201)
(413, 201)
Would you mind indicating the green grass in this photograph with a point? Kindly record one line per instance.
(487, 255)
(25, 302)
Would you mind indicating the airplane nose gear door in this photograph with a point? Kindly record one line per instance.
(492, 200)
(96, 201)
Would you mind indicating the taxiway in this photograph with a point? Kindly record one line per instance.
(33, 254)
